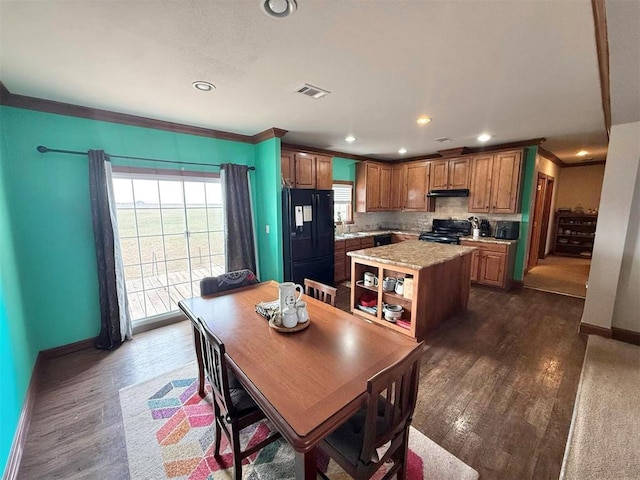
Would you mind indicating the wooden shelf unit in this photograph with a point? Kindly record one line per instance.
(574, 234)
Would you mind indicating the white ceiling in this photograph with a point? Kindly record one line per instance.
(515, 69)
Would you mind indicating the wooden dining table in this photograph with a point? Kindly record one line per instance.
(307, 382)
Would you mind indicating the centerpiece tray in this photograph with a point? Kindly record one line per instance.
(281, 329)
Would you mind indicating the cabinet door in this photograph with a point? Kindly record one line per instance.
(480, 187)
(505, 182)
(385, 188)
(397, 187)
(373, 187)
(458, 173)
(288, 168)
(492, 266)
(305, 170)
(439, 175)
(417, 186)
(324, 173)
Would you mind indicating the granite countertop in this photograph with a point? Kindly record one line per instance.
(413, 254)
(499, 241)
(371, 233)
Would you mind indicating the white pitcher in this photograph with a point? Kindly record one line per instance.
(287, 295)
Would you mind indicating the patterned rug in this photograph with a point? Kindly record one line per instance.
(169, 434)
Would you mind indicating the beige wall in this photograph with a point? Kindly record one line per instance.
(580, 185)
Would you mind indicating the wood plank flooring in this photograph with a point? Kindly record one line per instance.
(497, 390)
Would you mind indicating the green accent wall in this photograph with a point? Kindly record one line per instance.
(344, 169)
(527, 191)
(268, 208)
(17, 353)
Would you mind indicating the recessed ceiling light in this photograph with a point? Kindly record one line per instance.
(350, 139)
(203, 86)
(423, 120)
(279, 8)
(402, 151)
(582, 153)
(485, 137)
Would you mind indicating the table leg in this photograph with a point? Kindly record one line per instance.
(198, 346)
(306, 465)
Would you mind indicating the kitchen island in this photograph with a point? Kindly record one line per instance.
(435, 277)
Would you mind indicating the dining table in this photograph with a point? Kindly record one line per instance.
(307, 382)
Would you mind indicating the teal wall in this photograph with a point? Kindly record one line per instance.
(17, 353)
(527, 191)
(268, 208)
(344, 169)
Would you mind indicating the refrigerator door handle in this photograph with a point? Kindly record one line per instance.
(314, 220)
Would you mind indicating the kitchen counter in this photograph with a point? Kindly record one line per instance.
(372, 233)
(412, 254)
(435, 280)
(494, 240)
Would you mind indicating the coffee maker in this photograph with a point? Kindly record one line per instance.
(485, 228)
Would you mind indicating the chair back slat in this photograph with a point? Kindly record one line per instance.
(227, 281)
(320, 291)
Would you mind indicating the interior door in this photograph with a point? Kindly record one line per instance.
(536, 229)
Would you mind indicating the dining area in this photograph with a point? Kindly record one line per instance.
(333, 383)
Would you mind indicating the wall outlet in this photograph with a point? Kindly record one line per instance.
(266, 229)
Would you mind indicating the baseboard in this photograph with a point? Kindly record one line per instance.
(517, 284)
(595, 330)
(20, 436)
(67, 349)
(628, 336)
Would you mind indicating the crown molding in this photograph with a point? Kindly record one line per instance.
(552, 157)
(330, 153)
(585, 164)
(269, 133)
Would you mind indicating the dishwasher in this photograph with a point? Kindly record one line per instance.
(384, 239)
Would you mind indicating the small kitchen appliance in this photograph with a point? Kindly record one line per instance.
(447, 231)
(485, 228)
(508, 230)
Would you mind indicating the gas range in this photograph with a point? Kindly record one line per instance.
(447, 231)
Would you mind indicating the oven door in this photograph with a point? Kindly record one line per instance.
(434, 239)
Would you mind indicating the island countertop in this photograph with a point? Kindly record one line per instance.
(413, 254)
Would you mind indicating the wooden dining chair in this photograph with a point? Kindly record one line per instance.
(357, 445)
(234, 409)
(227, 281)
(320, 291)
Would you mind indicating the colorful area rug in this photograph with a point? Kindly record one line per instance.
(169, 434)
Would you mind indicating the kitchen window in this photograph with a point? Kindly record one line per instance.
(171, 232)
(343, 201)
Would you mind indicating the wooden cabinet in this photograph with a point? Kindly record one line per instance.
(493, 263)
(449, 174)
(496, 182)
(398, 187)
(306, 170)
(417, 186)
(342, 263)
(574, 234)
(373, 187)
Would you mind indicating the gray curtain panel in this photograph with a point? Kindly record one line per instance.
(238, 221)
(110, 334)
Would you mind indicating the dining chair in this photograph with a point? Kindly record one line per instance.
(320, 291)
(227, 281)
(234, 409)
(379, 432)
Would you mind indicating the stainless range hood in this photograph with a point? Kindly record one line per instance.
(456, 192)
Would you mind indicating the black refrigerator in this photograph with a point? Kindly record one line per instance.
(307, 217)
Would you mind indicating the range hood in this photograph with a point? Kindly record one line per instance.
(456, 192)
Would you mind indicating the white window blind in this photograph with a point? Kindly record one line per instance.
(342, 201)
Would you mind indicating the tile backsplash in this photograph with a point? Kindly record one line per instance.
(446, 207)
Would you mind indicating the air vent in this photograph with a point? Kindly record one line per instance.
(311, 91)
(443, 140)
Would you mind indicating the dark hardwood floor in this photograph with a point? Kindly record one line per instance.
(497, 390)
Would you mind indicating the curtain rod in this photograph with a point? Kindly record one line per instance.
(43, 149)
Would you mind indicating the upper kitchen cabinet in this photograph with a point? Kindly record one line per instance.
(373, 187)
(417, 178)
(306, 170)
(495, 182)
(449, 174)
(398, 186)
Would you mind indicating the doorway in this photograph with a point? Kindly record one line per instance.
(541, 214)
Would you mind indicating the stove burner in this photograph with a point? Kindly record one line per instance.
(447, 231)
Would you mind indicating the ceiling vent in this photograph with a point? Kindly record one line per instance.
(443, 140)
(311, 91)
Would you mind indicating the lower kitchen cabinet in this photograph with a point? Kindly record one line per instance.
(493, 263)
(339, 267)
(401, 237)
(342, 263)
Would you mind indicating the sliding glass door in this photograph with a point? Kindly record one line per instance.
(172, 235)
